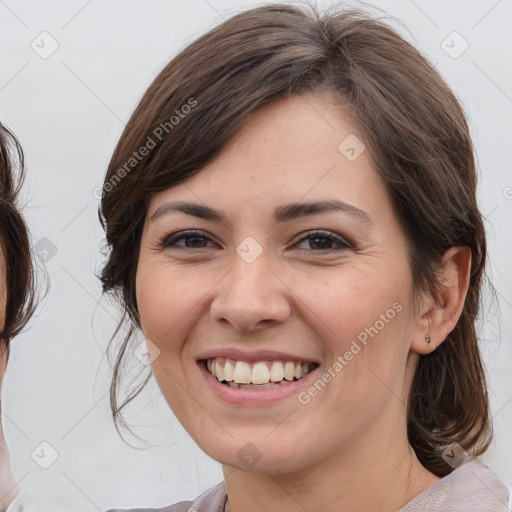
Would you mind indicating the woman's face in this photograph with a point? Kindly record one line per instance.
(251, 286)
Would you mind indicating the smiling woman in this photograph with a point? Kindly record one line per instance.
(310, 229)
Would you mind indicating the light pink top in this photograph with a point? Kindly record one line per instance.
(472, 487)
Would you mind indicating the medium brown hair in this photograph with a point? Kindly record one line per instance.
(20, 278)
(417, 135)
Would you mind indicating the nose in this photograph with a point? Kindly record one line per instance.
(250, 297)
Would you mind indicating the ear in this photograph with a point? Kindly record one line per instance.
(439, 315)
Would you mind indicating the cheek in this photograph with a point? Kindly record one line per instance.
(364, 322)
(349, 302)
(166, 299)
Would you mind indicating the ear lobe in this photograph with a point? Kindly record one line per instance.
(439, 315)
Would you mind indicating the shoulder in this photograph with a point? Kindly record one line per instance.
(471, 486)
(212, 500)
(182, 506)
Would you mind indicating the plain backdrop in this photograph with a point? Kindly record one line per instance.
(71, 73)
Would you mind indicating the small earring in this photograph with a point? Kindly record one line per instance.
(427, 338)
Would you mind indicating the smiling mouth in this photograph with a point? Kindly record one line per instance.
(258, 374)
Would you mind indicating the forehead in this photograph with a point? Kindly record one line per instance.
(304, 146)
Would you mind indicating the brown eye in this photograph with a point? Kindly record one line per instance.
(324, 241)
(192, 240)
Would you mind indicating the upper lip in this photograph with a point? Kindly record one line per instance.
(257, 355)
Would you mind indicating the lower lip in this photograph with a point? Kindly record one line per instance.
(254, 396)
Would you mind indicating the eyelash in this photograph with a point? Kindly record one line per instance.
(170, 241)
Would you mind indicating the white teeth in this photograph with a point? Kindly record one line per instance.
(212, 366)
(270, 385)
(277, 372)
(229, 370)
(289, 370)
(258, 375)
(242, 373)
(220, 370)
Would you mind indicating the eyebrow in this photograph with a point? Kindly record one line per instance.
(283, 213)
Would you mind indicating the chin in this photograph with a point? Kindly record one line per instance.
(257, 454)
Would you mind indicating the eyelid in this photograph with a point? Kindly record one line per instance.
(183, 235)
(343, 243)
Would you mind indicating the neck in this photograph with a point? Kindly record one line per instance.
(377, 476)
(8, 487)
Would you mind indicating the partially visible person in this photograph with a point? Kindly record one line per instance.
(17, 287)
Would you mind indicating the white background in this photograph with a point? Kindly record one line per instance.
(68, 111)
